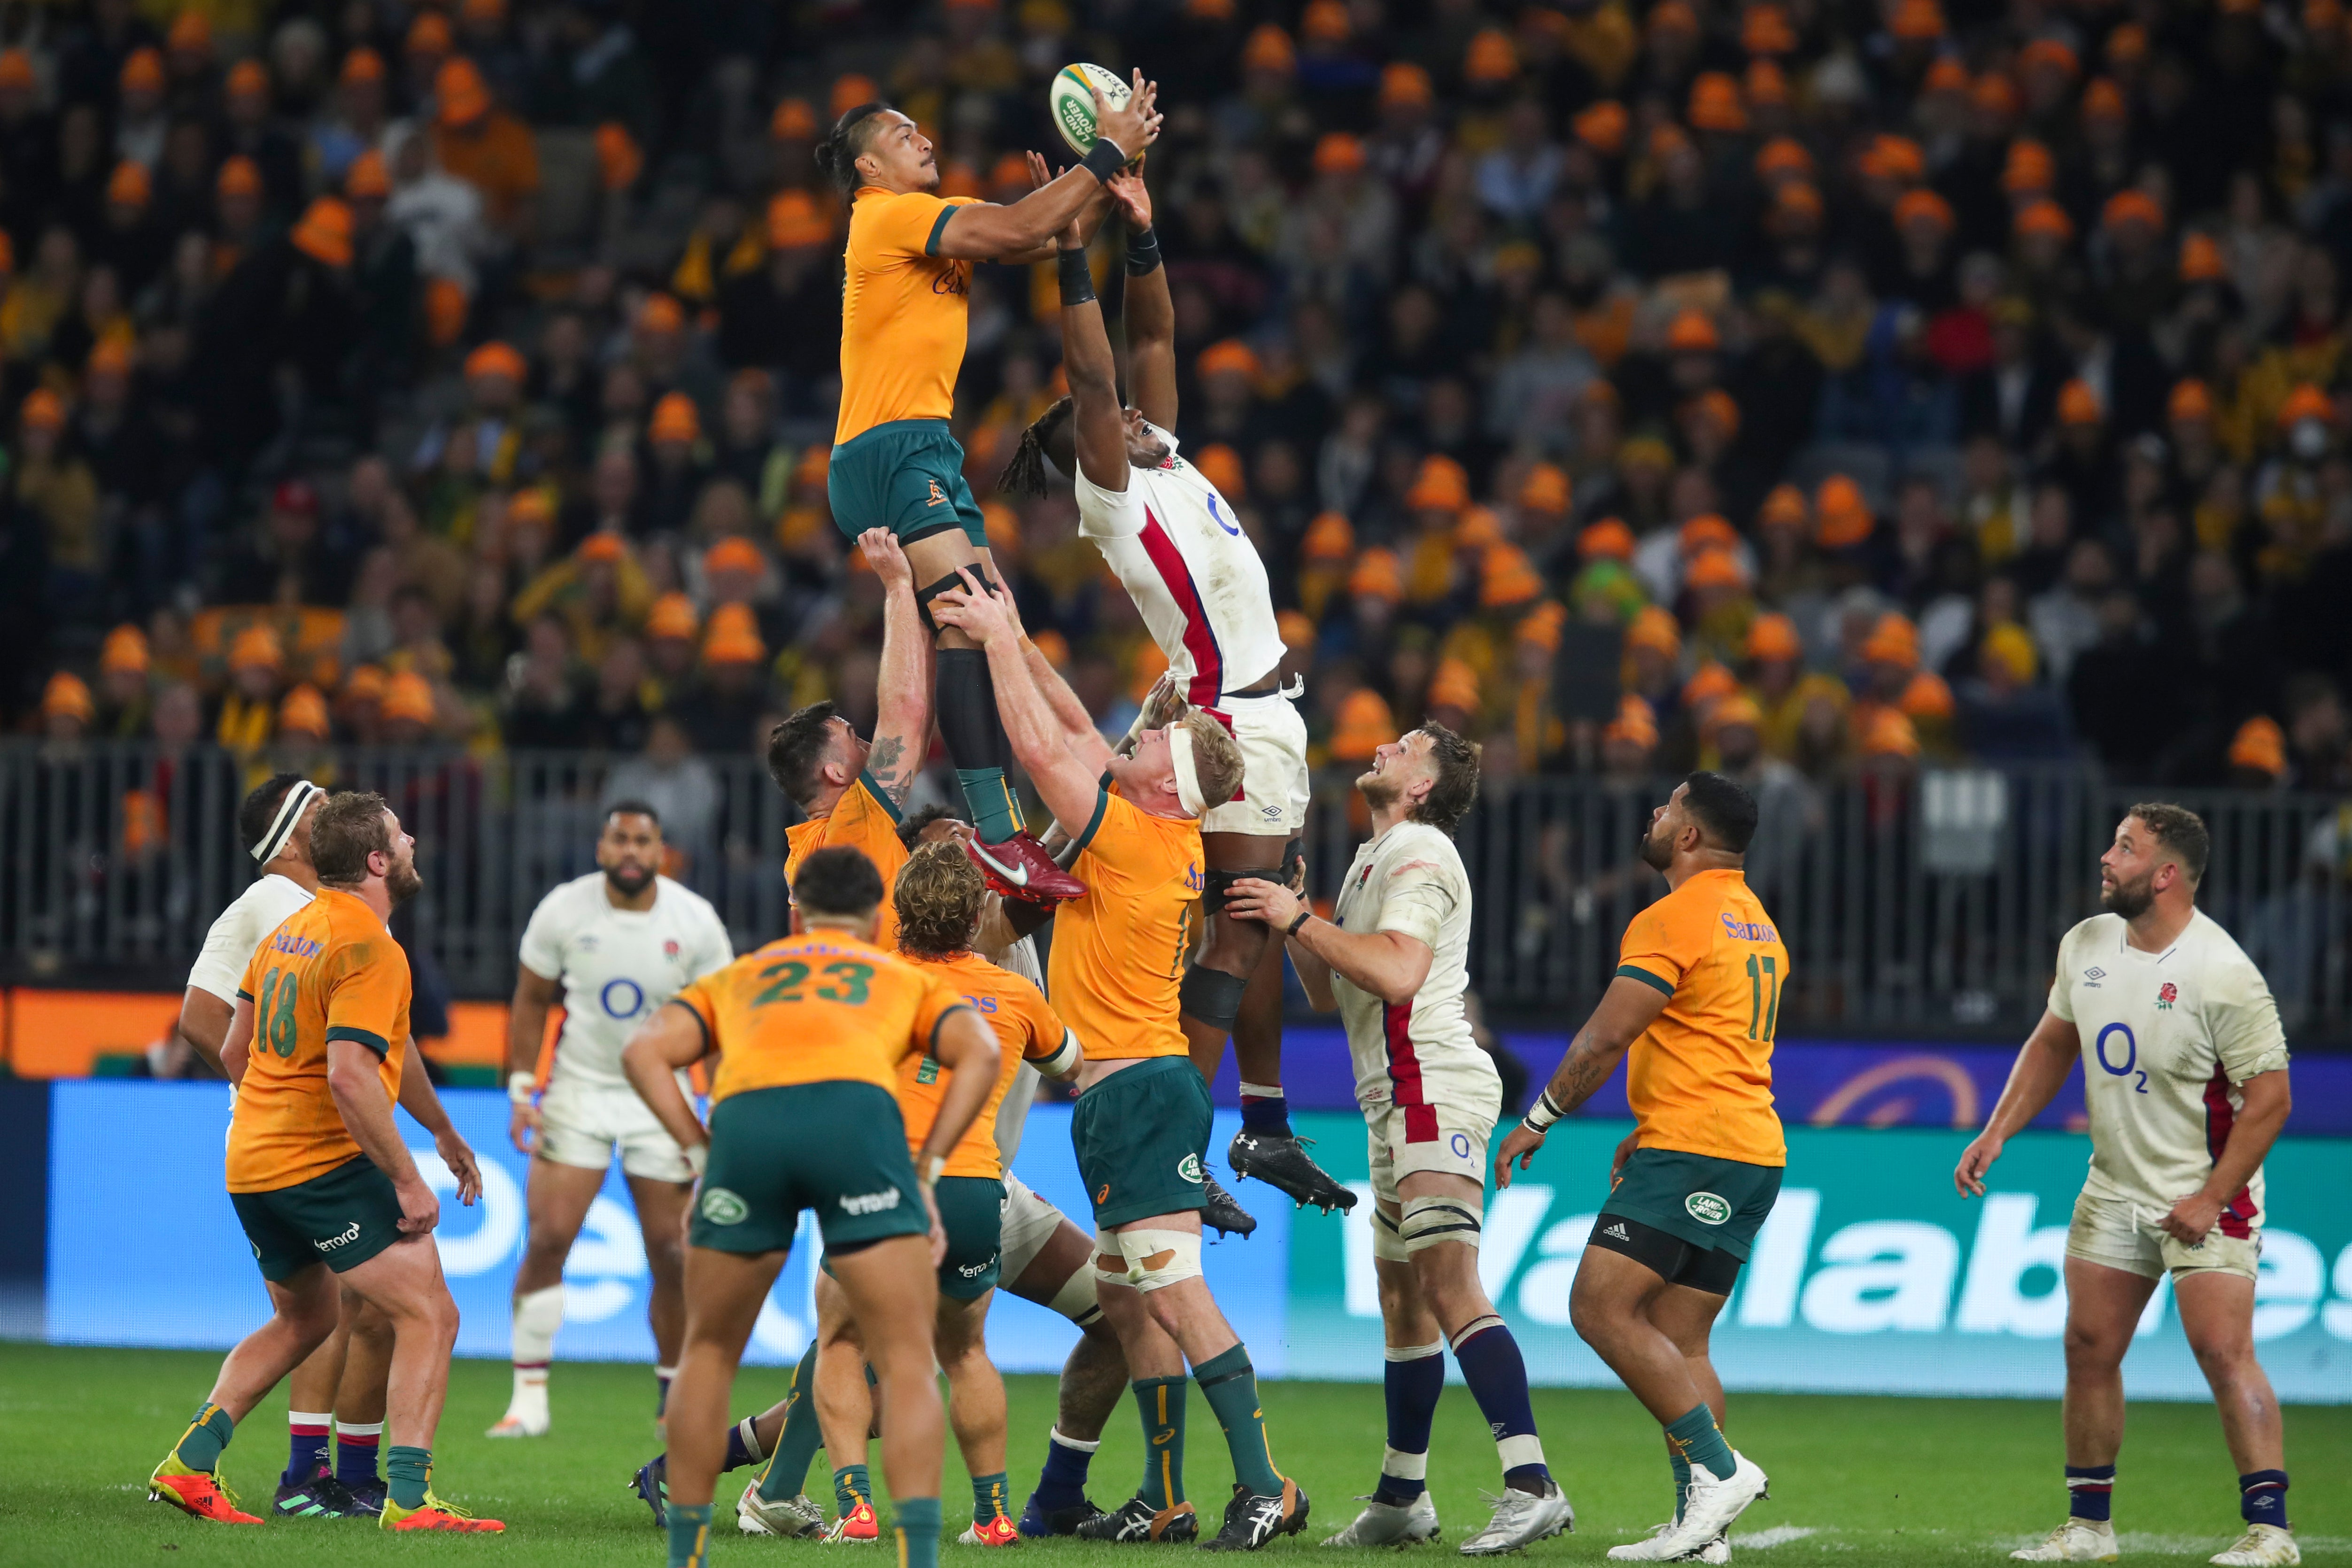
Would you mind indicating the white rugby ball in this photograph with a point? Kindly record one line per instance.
(1073, 107)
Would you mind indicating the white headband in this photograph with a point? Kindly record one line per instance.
(1188, 777)
(281, 827)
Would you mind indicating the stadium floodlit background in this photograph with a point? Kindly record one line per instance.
(1936, 415)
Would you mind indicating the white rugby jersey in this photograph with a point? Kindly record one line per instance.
(2167, 1037)
(239, 932)
(1194, 574)
(1411, 880)
(617, 965)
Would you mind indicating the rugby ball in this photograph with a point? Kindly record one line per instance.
(1073, 107)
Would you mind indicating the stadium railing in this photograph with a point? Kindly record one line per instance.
(1925, 906)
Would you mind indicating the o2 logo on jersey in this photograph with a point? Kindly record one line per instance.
(1460, 1144)
(635, 992)
(2129, 1066)
(1217, 516)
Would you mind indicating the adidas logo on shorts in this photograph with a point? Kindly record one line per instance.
(870, 1202)
(1617, 1232)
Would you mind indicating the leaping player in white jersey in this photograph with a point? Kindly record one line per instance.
(1196, 579)
(1395, 962)
(2185, 1076)
(620, 942)
(343, 1383)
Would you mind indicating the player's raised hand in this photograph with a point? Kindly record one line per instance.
(458, 1156)
(972, 610)
(1256, 898)
(1133, 125)
(1164, 704)
(1967, 1176)
(882, 552)
(420, 1211)
(1519, 1144)
(1131, 197)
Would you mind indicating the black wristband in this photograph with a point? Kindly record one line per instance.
(1077, 280)
(1104, 160)
(1142, 253)
(1292, 929)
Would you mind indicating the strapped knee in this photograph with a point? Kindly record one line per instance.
(1077, 1300)
(953, 582)
(1110, 1263)
(1387, 1245)
(1211, 996)
(1427, 1221)
(1158, 1259)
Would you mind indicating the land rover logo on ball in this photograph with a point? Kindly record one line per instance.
(1707, 1209)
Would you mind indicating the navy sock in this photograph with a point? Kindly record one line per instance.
(1497, 1376)
(2261, 1498)
(1265, 1110)
(355, 1455)
(2091, 1492)
(1411, 1381)
(1063, 1482)
(306, 1447)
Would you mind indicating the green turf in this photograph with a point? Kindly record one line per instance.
(1890, 1480)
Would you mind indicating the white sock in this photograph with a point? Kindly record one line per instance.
(536, 1316)
(1075, 1445)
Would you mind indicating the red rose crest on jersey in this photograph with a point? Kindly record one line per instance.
(2167, 996)
(669, 948)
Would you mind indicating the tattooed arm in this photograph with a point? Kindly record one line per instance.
(1627, 1008)
(902, 719)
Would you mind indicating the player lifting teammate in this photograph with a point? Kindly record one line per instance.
(905, 309)
(1394, 960)
(1142, 1125)
(810, 1032)
(1197, 580)
(619, 942)
(2185, 1076)
(1693, 1008)
(319, 1172)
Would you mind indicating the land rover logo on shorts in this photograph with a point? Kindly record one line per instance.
(723, 1208)
(1707, 1209)
(1188, 1168)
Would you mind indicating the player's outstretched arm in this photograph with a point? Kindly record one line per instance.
(1390, 965)
(981, 231)
(2267, 1100)
(1065, 767)
(354, 1078)
(2034, 1080)
(664, 1045)
(1151, 312)
(1097, 425)
(1627, 1008)
(902, 717)
(534, 995)
(420, 1100)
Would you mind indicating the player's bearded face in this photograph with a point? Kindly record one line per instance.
(404, 881)
(1658, 843)
(2128, 898)
(629, 874)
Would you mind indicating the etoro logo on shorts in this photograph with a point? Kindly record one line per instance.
(343, 1237)
(869, 1202)
(1188, 1169)
(1707, 1209)
(721, 1207)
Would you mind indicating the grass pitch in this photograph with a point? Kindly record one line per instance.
(1887, 1481)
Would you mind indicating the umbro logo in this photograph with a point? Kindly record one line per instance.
(2095, 974)
(1617, 1233)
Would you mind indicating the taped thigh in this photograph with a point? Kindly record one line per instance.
(1387, 1245)
(1158, 1259)
(1211, 996)
(952, 582)
(1428, 1222)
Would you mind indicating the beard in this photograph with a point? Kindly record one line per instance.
(402, 883)
(630, 880)
(1379, 793)
(1657, 850)
(2129, 899)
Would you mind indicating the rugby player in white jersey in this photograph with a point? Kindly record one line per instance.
(1394, 961)
(343, 1381)
(2185, 1076)
(619, 943)
(1178, 547)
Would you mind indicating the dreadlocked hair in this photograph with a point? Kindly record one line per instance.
(1027, 473)
(837, 154)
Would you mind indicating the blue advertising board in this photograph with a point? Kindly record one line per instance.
(1871, 1274)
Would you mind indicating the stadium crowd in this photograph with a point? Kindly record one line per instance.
(1787, 386)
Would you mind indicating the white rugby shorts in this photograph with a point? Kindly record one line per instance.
(579, 1123)
(1273, 738)
(1404, 1139)
(2120, 1234)
(1029, 1223)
